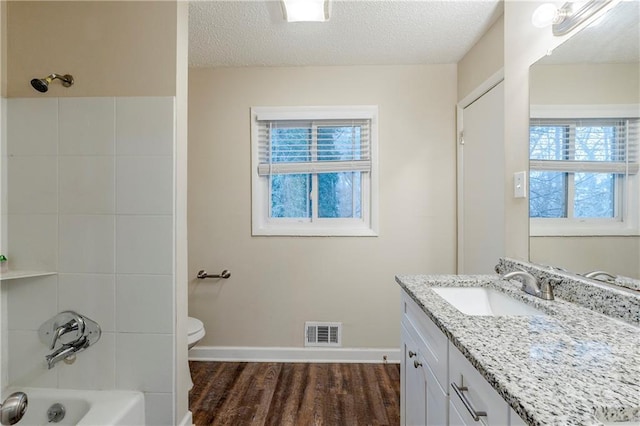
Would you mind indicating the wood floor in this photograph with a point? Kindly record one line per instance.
(283, 394)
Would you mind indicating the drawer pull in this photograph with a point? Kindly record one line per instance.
(412, 354)
(417, 364)
(459, 391)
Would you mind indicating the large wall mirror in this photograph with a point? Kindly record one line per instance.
(584, 181)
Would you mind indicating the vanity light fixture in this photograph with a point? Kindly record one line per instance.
(305, 10)
(570, 15)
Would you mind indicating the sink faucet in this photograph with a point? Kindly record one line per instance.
(530, 285)
(596, 274)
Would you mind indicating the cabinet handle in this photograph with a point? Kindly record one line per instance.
(412, 354)
(417, 364)
(459, 391)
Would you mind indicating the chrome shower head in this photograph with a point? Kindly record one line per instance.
(42, 84)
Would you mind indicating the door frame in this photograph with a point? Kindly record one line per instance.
(474, 95)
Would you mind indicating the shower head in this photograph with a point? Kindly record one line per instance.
(42, 84)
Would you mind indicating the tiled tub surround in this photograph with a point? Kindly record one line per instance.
(90, 191)
(622, 304)
(573, 366)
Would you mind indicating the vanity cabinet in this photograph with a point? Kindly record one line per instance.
(430, 366)
(423, 368)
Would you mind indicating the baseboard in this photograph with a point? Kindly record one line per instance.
(187, 420)
(275, 354)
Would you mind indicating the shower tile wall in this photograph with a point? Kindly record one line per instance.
(90, 195)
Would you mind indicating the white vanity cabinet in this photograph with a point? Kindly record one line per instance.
(423, 369)
(430, 367)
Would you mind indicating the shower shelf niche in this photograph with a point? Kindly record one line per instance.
(14, 275)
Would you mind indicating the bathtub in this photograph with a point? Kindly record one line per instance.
(83, 408)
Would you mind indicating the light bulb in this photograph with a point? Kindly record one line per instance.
(545, 15)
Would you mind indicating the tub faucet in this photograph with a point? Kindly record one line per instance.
(530, 284)
(71, 333)
(66, 351)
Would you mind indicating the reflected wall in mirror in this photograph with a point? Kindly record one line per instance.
(584, 183)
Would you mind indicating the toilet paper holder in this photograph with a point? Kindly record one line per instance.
(202, 274)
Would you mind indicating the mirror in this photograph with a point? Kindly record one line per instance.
(576, 206)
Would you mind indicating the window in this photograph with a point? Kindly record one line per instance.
(314, 171)
(583, 171)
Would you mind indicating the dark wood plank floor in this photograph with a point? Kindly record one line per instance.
(283, 394)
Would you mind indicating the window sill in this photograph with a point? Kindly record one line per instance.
(581, 229)
(313, 232)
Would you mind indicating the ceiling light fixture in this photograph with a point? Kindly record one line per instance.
(570, 15)
(305, 10)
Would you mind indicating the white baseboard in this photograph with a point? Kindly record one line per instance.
(275, 354)
(187, 420)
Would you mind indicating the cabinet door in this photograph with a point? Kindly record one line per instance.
(455, 418)
(437, 400)
(413, 391)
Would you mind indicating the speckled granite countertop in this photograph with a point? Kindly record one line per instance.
(573, 366)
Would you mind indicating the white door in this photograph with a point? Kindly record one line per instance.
(481, 166)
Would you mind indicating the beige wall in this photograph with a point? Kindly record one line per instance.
(483, 60)
(112, 48)
(279, 282)
(584, 254)
(585, 84)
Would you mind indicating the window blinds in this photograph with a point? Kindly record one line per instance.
(584, 145)
(319, 146)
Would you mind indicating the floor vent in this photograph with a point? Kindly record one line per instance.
(323, 333)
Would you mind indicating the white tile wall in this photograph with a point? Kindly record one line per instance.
(33, 183)
(144, 362)
(27, 366)
(93, 295)
(32, 126)
(139, 313)
(144, 126)
(33, 242)
(87, 185)
(87, 243)
(31, 301)
(87, 126)
(159, 409)
(94, 368)
(144, 245)
(145, 185)
(95, 176)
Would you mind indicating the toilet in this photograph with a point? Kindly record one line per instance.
(195, 331)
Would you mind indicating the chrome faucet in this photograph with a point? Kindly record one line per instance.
(530, 284)
(72, 332)
(596, 274)
(66, 351)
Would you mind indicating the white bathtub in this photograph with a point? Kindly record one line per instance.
(83, 408)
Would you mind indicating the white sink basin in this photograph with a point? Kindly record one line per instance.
(484, 301)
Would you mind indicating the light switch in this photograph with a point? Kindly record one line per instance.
(520, 185)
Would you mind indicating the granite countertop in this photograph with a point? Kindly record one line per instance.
(573, 366)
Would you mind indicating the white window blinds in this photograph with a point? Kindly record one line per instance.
(318, 146)
(584, 145)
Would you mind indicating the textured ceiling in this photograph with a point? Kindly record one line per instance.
(253, 33)
(615, 38)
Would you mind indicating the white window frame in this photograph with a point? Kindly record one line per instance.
(627, 222)
(263, 225)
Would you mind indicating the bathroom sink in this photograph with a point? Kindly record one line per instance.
(484, 301)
